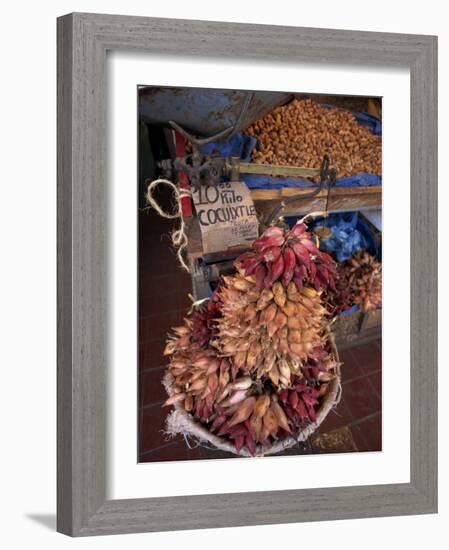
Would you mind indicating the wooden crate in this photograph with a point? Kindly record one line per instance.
(354, 328)
(371, 320)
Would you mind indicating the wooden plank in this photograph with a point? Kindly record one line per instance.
(278, 170)
(371, 319)
(374, 107)
(279, 194)
(340, 200)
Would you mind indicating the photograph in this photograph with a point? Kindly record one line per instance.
(215, 356)
(259, 273)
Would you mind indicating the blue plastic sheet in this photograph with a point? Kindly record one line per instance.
(239, 145)
(270, 182)
(242, 145)
(354, 221)
(373, 123)
(345, 239)
(352, 309)
(350, 233)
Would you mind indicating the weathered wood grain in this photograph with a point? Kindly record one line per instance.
(341, 199)
(83, 40)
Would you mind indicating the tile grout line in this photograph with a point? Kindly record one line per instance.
(150, 405)
(355, 421)
(359, 377)
(372, 386)
(153, 316)
(367, 417)
(151, 369)
(164, 446)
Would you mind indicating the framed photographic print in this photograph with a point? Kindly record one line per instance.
(246, 274)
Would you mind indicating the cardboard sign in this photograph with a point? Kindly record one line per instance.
(227, 216)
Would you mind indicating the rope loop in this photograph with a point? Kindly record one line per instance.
(178, 236)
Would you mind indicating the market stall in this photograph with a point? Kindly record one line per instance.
(271, 195)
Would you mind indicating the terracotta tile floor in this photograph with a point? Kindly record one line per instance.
(163, 300)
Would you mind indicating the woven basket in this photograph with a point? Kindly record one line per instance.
(181, 422)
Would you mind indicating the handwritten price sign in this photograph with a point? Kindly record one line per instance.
(226, 214)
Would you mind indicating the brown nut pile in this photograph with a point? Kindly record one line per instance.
(301, 132)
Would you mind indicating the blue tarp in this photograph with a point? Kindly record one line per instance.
(242, 145)
(346, 238)
(239, 145)
(352, 309)
(271, 182)
(350, 233)
(373, 123)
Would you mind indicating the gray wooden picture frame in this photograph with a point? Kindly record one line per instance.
(83, 40)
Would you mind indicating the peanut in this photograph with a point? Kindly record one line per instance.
(300, 133)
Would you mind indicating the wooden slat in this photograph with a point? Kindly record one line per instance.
(279, 194)
(342, 199)
(278, 170)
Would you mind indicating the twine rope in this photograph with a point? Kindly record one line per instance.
(178, 236)
(186, 437)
